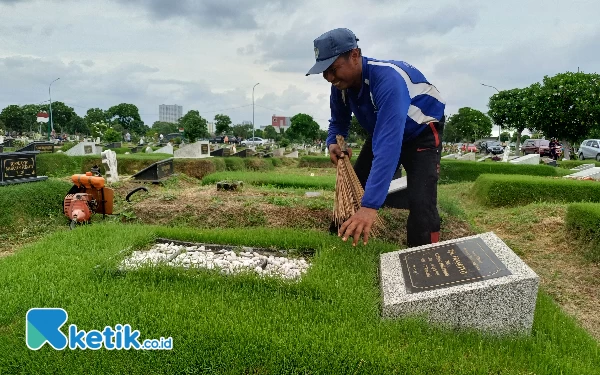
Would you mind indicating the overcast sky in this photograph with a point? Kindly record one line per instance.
(208, 54)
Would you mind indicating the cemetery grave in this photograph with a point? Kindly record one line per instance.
(335, 303)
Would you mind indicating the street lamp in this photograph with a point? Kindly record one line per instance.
(50, 95)
(253, 113)
(499, 127)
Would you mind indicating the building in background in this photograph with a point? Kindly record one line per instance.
(279, 122)
(211, 127)
(170, 113)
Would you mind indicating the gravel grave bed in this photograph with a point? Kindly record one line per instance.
(218, 257)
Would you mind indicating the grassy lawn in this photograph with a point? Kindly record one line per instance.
(327, 323)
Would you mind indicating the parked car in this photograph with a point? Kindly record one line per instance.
(469, 147)
(254, 141)
(536, 146)
(221, 139)
(590, 149)
(492, 147)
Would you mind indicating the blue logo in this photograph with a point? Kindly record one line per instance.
(43, 326)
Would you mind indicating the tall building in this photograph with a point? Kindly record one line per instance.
(170, 113)
(210, 127)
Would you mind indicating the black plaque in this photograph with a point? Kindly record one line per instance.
(18, 167)
(87, 149)
(156, 171)
(449, 265)
(204, 149)
(218, 152)
(43, 147)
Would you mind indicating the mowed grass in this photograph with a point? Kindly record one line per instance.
(328, 323)
(277, 179)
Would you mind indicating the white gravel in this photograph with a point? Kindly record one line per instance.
(227, 261)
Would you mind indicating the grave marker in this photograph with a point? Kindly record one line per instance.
(42, 147)
(474, 282)
(533, 159)
(156, 172)
(19, 167)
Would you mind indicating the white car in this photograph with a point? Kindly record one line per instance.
(254, 141)
(590, 149)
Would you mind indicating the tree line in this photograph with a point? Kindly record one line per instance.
(565, 106)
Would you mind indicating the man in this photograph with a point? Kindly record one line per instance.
(404, 115)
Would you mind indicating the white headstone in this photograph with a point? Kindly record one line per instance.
(1, 139)
(292, 155)
(200, 149)
(84, 148)
(98, 140)
(168, 149)
(109, 159)
(506, 154)
(577, 169)
(533, 159)
(279, 152)
(398, 184)
(468, 156)
(468, 283)
(148, 150)
(449, 156)
(593, 172)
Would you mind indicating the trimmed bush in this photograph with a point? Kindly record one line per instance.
(197, 168)
(234, 164)
(24, 203)
(271, 179)
(498, 190)
(452, 171)
(568, 164)
(258, 164)
(316, 162)
(583, 219)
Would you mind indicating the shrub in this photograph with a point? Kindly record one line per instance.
(257, 164)
(197, 168)
(499, 190)
(452, 171)
(316, 162)
(234, 164)
(24, 203)
(583, 219)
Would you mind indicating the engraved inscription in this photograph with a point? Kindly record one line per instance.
(18, 167)
(87, 149)
(44, 148)
(204, 149)
(448, 265)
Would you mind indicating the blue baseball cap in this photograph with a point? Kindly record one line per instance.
(329, 46)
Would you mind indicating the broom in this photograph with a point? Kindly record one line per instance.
(348, 192)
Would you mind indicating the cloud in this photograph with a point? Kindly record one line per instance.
(231, 14)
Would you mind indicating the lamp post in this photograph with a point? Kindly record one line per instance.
(50, 95)
(499, 127)
(253, 113)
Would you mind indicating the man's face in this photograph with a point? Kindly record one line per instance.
(343, 72)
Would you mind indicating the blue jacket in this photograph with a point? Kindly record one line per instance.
(394, 105)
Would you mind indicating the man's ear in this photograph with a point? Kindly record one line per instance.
(355, 56)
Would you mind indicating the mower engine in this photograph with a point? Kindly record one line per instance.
(87, 196)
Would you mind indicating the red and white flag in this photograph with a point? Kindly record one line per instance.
(43, 117)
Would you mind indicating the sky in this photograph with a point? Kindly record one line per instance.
(207, 55)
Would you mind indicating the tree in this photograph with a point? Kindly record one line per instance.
(194, 125)
(111, 135)
(356, 131)
(259, 133)
(270, 132)
(128, 116)
(62, 115)
(95, 115)
(451, 133)
(222, 124)
(567, 106)
(13, 118)
(164, 128)
(514, 110)
(30, 112)
(303, 128)
(471, 124)
(504, 136)
(244, 131)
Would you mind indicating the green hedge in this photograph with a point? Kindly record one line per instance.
(61, 165)
(452, 171)
(317, 162)
(498, 190)
(583, 219)
(273, 179)
(24, 203)
(568, 164)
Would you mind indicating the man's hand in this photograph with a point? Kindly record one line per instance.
(360, 223)
(335, 153)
